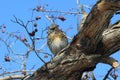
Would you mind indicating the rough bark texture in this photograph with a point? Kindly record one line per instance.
(93, 44)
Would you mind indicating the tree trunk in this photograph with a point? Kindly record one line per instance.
(93, 44)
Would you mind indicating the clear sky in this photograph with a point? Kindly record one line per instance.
(22, 9)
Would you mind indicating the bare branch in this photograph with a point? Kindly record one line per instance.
(32, 47)
(110, 42)
(111, 61)
(10, 48)
(106, 76)
(49, 18)
(21, 23)
(60, 12)
(15, 72)
(12, 77)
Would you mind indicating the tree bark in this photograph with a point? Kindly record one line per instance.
(93, 44)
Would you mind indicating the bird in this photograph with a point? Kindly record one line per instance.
(56, 39)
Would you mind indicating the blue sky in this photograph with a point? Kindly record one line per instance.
(22, 9)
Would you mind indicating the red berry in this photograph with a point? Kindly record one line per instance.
(32, 34)
(4, 26)
(24, 39)
(24, 72)
(45, 56)
(61, 18)
(38, 8)
(38, 17)
(3, 31)
(35, 24)
(7, 58)
(36, 30)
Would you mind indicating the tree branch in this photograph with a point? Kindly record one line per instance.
(12, 77)
(111, 61)
(82, 53)
(110, 42)
(106, 76)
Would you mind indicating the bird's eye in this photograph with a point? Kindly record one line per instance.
(52, 28)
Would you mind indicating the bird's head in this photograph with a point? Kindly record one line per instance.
(53, 27)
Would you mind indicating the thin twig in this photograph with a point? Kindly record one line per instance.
(49, 18)
(59, 11)
(15, 72)
(10, 48)
(20, 22)
(106, 76)
(39, 57)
